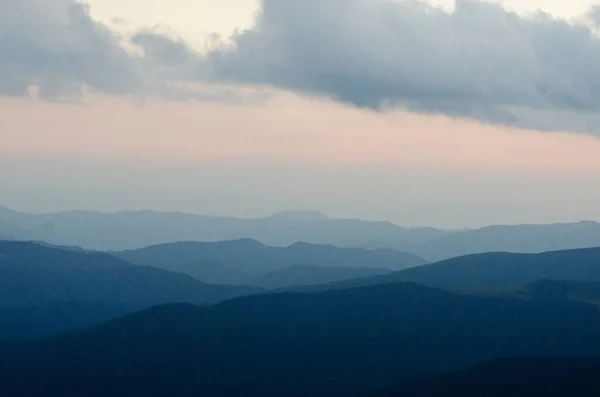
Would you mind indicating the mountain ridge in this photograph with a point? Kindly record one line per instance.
(303, 341)
(245, 260)
(493, 269)
(137, 229)
(34, 278)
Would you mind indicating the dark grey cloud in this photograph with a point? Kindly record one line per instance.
(480, 61)
(168, 57)
(55, 46)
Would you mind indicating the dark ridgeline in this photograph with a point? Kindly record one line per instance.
(33, 274)
(490, 270)
(247, 261)
(339, 343)
(501, 269)
(45, 289)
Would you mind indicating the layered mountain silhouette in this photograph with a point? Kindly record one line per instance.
(33, 274)
(138, 229)
(339, 343)
(311, 275)
(247, 261)
(492, 270)
(526, 377)
(517, 239)
(36, 279)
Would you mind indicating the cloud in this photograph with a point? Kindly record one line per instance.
(478, 61)
(168, 56)
(53, 49)
(55, 46)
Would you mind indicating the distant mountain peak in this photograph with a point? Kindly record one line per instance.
(300, 216)
(245, 241)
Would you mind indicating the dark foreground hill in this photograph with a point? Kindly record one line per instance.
(339, 343)
(491, 270)
(515, 377)
(53, 318)
(244, 261)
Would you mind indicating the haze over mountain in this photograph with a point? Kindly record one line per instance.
(138, 229)
(420, 154)
(5, 237)
(339, 343)
(245, 261)
(69, 288)
(34, 275)
(496, 269)
(506, 238)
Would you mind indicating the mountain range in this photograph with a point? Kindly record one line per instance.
(137, 229)
(75, 322)
(338, 343)
(69, 288)
(250, 262)
(507, 238)
(75, 289)
(490, 270)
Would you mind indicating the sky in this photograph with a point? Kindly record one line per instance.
(447, 114)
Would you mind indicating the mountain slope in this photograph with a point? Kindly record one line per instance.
(492, 270)
(517, 238)
(543, 290)
(31, 275)
(311, 275)
(137, 229)
(338, 343)
(53, 318)
(527, 377)
(241, 261)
